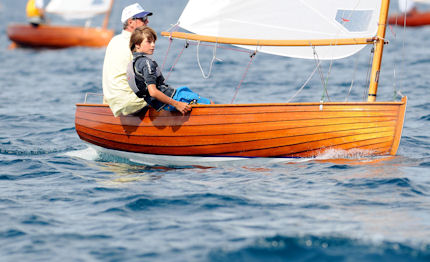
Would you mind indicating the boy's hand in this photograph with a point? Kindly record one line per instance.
(182, 107)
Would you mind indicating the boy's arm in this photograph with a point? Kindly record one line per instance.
(160, 96)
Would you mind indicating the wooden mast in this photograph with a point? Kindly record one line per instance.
(379, 48)
(106, 19)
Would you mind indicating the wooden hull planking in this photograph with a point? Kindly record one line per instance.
(50, 36)
(249, 130)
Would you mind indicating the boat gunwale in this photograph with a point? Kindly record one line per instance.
(275, 104)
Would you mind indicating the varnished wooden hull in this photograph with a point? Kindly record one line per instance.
(414, 19)
(50, 36)
(251, 130)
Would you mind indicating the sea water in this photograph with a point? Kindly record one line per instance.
(61, 201)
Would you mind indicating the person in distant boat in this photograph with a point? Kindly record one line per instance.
(116, 91)
(145, 77)
(35, 12)
(407, 7)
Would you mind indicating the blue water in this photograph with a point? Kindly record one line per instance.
(59, 201)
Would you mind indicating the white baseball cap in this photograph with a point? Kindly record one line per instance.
(133, 11)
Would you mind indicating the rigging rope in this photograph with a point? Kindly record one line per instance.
(252, 55)
(317, 61)
(170, 43)
(243, 76)
(353, 78)
(167, 52)
(177, 59)
(212, 61)
(402, 54)
(369, 71)
(306, 82)
(326, 80)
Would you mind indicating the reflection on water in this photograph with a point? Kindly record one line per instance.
(369, 167)
(117, 170)
(121, 173)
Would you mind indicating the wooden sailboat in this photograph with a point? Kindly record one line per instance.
(412, 18)
(62, 36)
(230, 132)
(415, 18)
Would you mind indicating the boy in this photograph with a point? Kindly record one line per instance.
(147, 81)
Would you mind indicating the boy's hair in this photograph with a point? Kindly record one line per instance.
(139, 34)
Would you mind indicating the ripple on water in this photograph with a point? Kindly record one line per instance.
(315, 248)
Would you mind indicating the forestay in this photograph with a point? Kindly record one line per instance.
(78, 9)
(286, 20)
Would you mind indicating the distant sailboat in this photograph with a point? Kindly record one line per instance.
(414, 17)
(59, 36)
(229, 132)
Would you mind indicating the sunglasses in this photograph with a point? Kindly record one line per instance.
(143, 19)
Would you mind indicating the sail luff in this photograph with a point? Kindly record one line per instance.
(267, 42)
(379, 48)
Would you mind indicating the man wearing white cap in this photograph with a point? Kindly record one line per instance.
(116, 91)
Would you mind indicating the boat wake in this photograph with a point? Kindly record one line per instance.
(86, 154)
(352, 157)
(95, 153)
(345, 154)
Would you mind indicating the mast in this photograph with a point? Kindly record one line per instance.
(379, 48)
(106, 19)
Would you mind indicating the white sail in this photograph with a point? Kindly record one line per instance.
(286, 20)
(422, 1)
(406, 5)
(78, 9)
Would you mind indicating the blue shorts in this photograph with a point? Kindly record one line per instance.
(184, 94)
